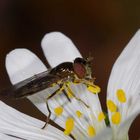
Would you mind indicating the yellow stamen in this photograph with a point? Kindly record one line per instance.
(91, 131)
(69, 92)
(101, 116)
(58, 111)
(94, 89)
(69, 126)
(111, 106)
(116, 118)
(121, 95)
(79, 114)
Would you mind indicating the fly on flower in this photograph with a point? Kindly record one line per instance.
(63, 75)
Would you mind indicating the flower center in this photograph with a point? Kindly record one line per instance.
(78, 120)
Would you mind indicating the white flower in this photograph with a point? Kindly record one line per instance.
(84, 123)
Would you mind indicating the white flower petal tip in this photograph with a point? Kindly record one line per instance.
(125, 72)
(58, 48)
(123, 88)
(22, 64)
(105, 134)
(132, 48)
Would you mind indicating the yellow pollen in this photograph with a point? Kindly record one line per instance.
(69, 125)
(116, 118)
(79, 114)
(94, 89)
(121, 95)
(101, 116)
(111, 106)
(58, 111)
(91, 131)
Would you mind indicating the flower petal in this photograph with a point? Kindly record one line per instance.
(22, 64)
(39, 100)
(6, 137)
(125, 78)
(105, 134)
(58, 48)
(125, 72)
(20, 125)
(88, 116)
(124, 127)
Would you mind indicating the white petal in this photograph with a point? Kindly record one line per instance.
(125, 72)
(22, 64)
(39, 100)
(126, 75)
(89, 117)
(6, 137)
(105, 134)
(122, 131)
(58, 48)
(20, 125)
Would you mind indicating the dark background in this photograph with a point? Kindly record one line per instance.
(102, 27)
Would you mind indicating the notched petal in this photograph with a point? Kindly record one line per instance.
(58, 48)
(22, 64)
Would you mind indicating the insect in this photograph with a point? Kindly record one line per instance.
(79, 71)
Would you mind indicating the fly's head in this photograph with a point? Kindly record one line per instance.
(82, 67)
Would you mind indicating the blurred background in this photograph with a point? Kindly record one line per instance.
(102, 27)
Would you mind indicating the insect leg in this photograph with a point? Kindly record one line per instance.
(65, 93)
(51, 96)
(73, 95)
(87, 81)
(48, 117)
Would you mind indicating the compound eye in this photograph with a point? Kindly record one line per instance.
(79, 70)
(80, 60)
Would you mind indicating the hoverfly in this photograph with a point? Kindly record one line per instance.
(77, 72)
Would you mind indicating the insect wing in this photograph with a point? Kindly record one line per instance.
(31, 85)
